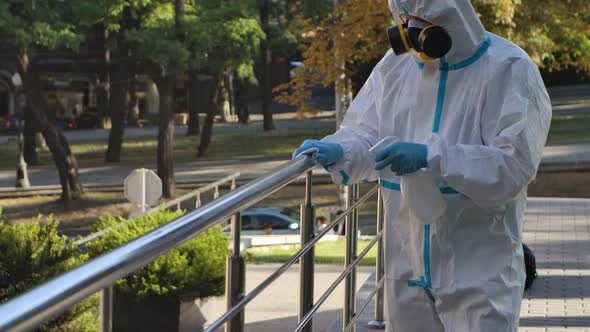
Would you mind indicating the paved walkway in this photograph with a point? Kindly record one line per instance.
(275, 310)
(558, 231)
(204, 171)
(568, 154)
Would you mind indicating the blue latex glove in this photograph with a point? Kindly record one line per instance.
(328, 153)
(402, 157)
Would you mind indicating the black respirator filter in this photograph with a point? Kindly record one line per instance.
(433, 40)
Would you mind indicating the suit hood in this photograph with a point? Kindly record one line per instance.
(456, 16)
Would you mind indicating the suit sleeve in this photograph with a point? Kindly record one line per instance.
(514, 125)
(358, 133)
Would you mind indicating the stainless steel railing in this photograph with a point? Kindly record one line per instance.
(54, 297)
(175, 203)
(107, 294)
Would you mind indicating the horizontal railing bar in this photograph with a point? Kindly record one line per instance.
(192, 194)
(44, 302)
(201, 190)
(335, 284)
(275, 275)
(356, 316)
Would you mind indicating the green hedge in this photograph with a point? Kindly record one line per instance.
(194, 270)
(33, 253)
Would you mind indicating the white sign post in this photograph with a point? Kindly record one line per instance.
(143, 187)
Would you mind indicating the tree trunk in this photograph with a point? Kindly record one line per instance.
(211, 111)
(266, 60)
(64, 160)
(225, 100)
(103, 89)
(30, 141)
(166, 133)
(133, 111)
(120, 75)
(194, 128)
(241, 102)
(119, 91)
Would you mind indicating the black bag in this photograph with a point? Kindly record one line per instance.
(530, 266)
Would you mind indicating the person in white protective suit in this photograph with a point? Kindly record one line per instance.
(476, 120)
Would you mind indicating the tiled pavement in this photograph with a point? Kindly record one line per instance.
(558, 231)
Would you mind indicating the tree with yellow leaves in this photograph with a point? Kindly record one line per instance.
(555, 33)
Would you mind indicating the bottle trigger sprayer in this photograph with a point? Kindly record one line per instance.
(420, 192)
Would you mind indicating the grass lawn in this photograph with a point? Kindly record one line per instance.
(570, 102)
(75, 217)
(78, 216)
(278, 143)
(327, 252)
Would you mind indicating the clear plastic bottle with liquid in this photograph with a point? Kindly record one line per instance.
(423, 197)
(420, 192)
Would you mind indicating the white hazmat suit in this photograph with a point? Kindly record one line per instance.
(484, 114)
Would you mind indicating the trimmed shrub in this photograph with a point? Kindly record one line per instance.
(195, 270)
(33, 253)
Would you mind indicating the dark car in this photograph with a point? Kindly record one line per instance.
(65, 124)
(87, 120)
(280, 219)
(10, 125)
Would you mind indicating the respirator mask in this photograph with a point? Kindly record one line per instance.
(429, 41)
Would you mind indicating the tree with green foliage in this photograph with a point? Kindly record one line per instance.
(33, 253)
(28, 26)
(555, 33)
(121, 70)
(115, 19)
(221, 35)
(164, 57)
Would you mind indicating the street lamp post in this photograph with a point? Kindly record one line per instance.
(22, 175)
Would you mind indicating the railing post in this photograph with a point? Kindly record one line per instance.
(306, 263)
(235, 277)
(198, 201)
(379, 321)
(350, 254)
(106, 306)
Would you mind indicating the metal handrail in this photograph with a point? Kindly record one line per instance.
(337, 282)
(211, 186)
(175, 202)
(56, 296)
(49, 300)
(275, 275)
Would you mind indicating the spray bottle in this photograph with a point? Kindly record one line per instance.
(420, 192)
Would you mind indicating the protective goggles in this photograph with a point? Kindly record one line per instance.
(428, 40)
